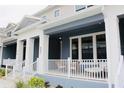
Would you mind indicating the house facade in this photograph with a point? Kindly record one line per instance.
(74, 45)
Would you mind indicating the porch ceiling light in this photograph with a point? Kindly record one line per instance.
(60, 38)
(100, 23)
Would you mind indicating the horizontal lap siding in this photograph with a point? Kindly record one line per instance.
(66, 42)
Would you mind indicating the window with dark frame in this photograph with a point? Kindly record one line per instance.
(87, 48)
(75, 48)
(101, 46)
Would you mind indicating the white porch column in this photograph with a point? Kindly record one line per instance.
(113, 45)
(79, 49)
(19, 54)
(42, 66)
(29, 54)
(1, 54)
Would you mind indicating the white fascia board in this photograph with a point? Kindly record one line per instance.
(79, 15)
(32, 17)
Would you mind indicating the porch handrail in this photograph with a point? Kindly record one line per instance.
(30, 65)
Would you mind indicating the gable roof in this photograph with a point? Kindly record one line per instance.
(27, 21)
(49, 7)
(8, 28)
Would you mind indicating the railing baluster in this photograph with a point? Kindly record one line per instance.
(85, 72)
(94, 68)
(102, 67)
(74, 67)
(69, 71)
(84, 68)
(97, 68)
(89, 70)
(80, 64)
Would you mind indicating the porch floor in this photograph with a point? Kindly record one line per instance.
(86, 76)
(72, 82)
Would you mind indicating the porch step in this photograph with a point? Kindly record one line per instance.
(20, 76)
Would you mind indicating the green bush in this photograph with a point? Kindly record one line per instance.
(36, 82)
(20, 84)
(2, 72)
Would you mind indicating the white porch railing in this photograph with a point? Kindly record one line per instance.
(9, 62)
(88, 69)
(30, 68)
(20, 67)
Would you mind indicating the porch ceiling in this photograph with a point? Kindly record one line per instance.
(76, 24)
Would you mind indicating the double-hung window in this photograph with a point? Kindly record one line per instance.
(57, 13)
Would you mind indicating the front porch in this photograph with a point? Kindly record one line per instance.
(79, 53)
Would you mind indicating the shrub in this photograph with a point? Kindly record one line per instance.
(20, 84)
(36, 82)
(2, 72)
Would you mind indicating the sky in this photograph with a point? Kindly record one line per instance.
(14, 13)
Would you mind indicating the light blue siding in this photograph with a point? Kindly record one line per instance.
(9, 51)
(54, 43)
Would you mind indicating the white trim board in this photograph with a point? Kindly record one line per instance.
(86, 35)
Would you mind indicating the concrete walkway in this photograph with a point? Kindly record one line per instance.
(7, 83)
(10, 82)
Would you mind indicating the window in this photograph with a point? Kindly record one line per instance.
(56, 13)
(87, 48)
(44, 19)
(74, 48)
(101, 46)
(79, 7)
